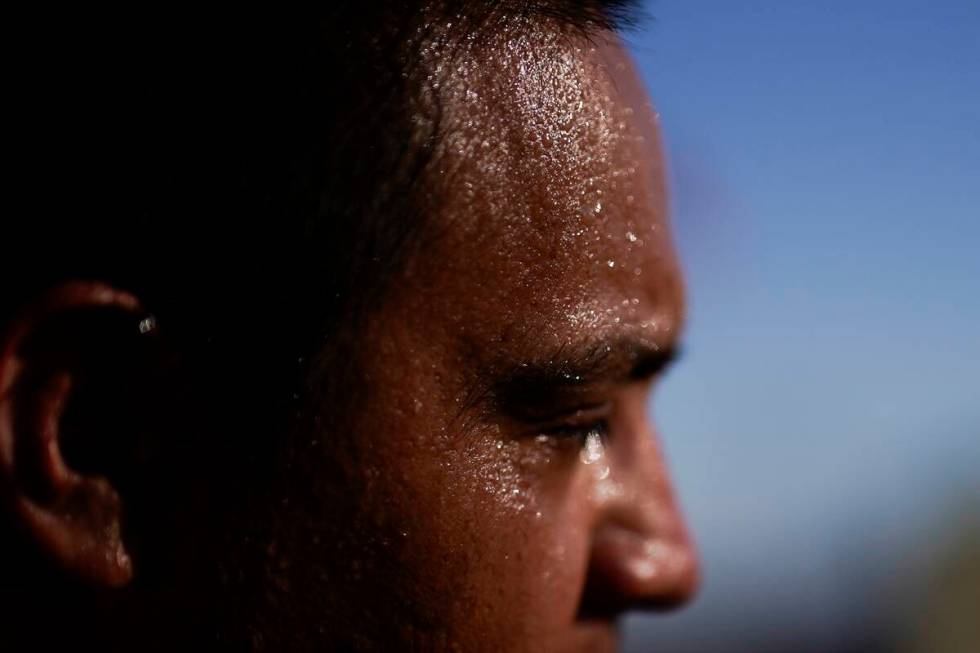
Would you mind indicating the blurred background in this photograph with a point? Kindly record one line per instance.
(824, 426)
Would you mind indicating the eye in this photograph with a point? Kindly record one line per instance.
(580, 428)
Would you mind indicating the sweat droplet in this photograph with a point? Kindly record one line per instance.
(593, 450)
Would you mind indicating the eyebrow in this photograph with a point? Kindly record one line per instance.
(570, 374)
(590, 15)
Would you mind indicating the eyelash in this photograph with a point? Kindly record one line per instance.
(580, 432)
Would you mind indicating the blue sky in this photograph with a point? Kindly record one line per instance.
(824, 427)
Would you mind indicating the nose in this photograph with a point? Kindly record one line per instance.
(641, 556)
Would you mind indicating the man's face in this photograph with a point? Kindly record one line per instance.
(506, 488)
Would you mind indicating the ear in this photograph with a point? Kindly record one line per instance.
(50, 354)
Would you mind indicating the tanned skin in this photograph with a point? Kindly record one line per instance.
(487, 479)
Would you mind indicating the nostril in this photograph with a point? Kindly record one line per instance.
(629, 571)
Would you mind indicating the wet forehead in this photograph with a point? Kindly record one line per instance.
(549, 190)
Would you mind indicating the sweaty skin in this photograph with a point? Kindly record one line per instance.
(504, 488)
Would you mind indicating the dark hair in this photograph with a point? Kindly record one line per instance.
(252, 176)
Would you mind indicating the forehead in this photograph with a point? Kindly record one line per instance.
(547, 192)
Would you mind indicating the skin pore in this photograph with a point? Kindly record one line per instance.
(506, 490)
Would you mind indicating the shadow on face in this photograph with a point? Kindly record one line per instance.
(473, 469)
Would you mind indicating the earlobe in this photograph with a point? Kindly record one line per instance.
(75, 517)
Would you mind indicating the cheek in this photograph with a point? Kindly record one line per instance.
(507, 525)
